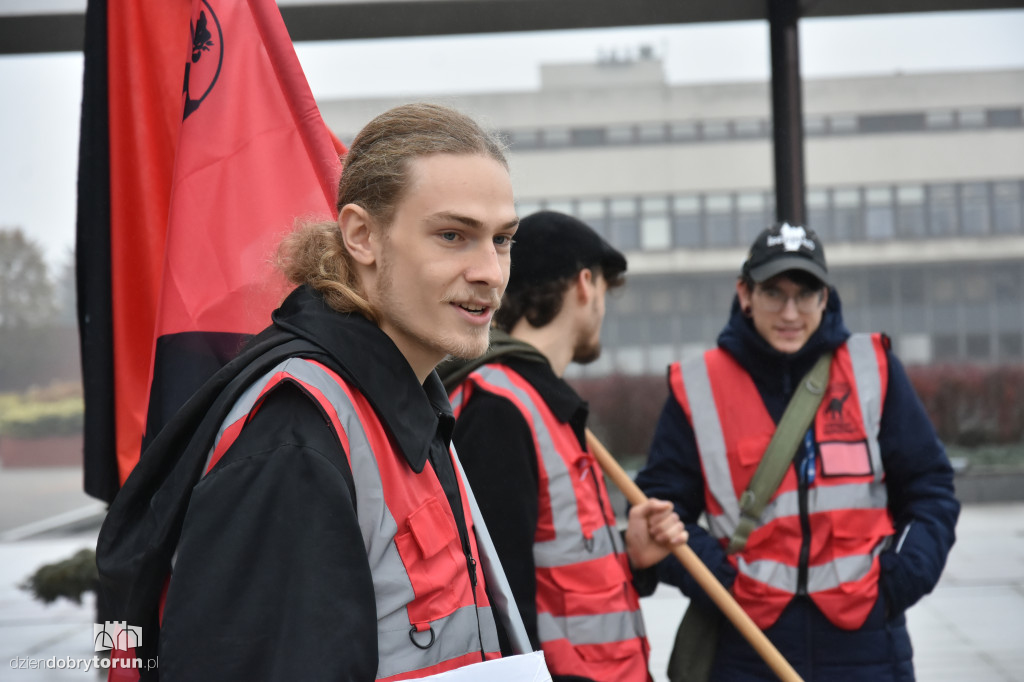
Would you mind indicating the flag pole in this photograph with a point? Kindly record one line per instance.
(705, 578)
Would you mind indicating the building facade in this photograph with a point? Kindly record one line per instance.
(915, 183)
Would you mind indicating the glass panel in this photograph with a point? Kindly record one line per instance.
(686, 232)
(879, 289)
(748, 127)
(718, 215)
(654, 205)
(752, 216)
(556, 137)
(587, 137)
(879, 219)
(843, 124)
(1010, 346)
(846, 214)
(890, 123)
(716, 130)
(978, 346)
(945, 347)
(655, 232)
(972, 118)
(683, 130)
(592, 212)
(591, 208)
(910, 210)
(620, 134)
(817, 213)
(1003, 118)
(814, 125)
(911, 287)
(942, 209)
(651, 132)
(1006, 200)
(942, 119)
(524, 139)
(661, 329)
(974, 208)
(625, 224)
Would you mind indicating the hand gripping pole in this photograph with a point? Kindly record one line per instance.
(692, 563)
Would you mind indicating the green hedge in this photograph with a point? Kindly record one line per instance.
(42, 419)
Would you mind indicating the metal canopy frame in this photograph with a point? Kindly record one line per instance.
(35, 26)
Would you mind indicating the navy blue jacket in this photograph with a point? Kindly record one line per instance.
(919, 480)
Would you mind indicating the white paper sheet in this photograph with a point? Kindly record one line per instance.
(522, 668)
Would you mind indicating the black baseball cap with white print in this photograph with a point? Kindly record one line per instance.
(783, 247)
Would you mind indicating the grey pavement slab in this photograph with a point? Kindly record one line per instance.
(970, 628)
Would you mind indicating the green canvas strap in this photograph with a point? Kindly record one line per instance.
(783, 446)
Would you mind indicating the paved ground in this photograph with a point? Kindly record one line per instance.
(970, 628)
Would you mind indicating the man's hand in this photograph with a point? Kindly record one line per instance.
(654, 529)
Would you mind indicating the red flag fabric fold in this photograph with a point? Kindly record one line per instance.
(209, 165)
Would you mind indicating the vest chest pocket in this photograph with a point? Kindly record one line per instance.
(432, 556)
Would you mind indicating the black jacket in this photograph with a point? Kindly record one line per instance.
(919, 481)
(271, 579)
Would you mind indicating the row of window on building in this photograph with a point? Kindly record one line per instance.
(978, 347)
(939, 312)
(838, 214)
(718, 130)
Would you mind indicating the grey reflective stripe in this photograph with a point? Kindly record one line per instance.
(707, 429)
(848, 496)
(869, 391)
(594, 629)
(822, 577)
(569, 546)
(455, 635)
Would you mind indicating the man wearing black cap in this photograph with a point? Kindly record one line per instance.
(520, 433)
(858, 522)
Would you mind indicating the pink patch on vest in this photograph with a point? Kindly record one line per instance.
(845, 459)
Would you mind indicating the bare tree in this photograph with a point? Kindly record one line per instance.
(26, 293)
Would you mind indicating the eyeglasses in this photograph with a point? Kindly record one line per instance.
(775, 300)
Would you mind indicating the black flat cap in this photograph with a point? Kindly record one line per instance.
(550, 246)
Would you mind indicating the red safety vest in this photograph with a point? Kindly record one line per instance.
(588, 613)
(432, 615)
(846, 499)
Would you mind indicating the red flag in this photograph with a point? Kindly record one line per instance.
(131, 113)
(251, 153)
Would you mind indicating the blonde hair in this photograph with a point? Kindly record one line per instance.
(375, 176)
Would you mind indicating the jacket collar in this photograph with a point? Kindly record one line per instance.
(413, 414)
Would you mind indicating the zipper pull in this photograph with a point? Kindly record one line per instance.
(471, 565)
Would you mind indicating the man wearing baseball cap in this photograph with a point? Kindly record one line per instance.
(520, 433)
(857, 524)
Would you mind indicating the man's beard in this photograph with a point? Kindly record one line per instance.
(585, 353)
(467, 346)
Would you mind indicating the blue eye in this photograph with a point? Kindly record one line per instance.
(504, 240)
(449, 236)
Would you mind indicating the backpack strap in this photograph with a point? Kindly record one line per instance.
(781, 450)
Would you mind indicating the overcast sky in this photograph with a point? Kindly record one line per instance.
(42, 93)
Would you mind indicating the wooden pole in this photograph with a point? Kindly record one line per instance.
(692, 563)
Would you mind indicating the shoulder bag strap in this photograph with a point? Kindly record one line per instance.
(781, 450)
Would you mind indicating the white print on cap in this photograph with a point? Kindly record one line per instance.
(791, 238)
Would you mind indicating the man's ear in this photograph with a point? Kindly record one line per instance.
(584, 285)
(744, 295)
(358, 234)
